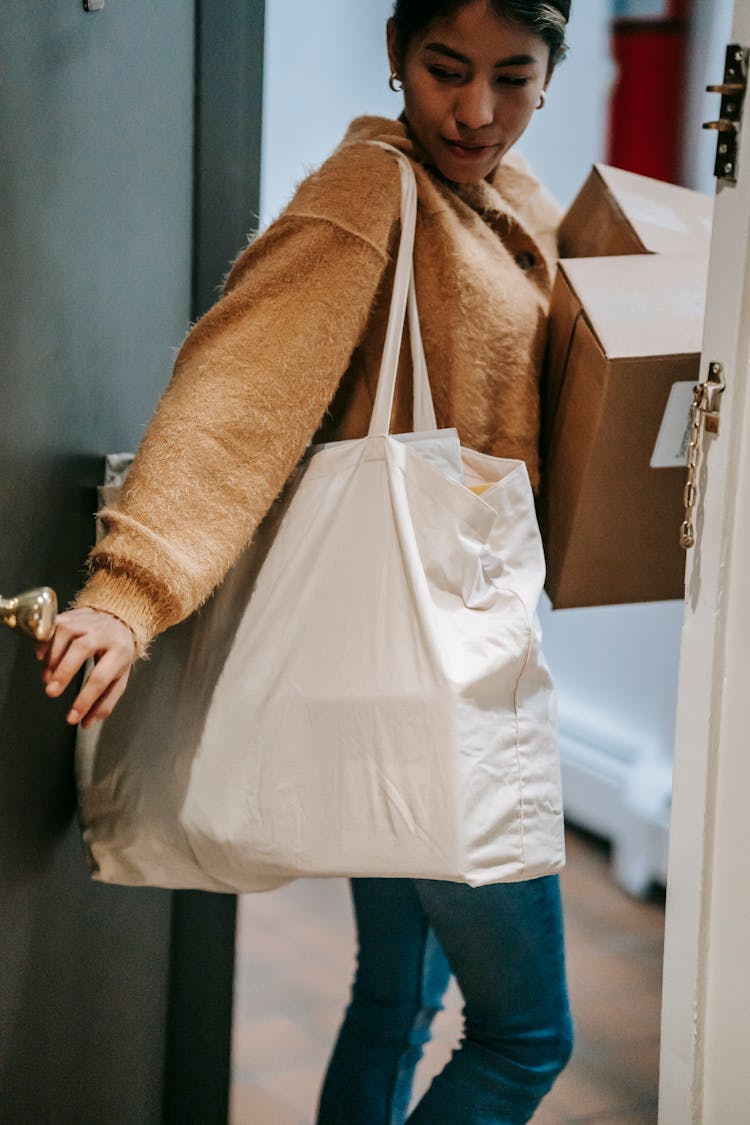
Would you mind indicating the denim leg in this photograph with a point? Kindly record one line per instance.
(398, 987)
(505, 945)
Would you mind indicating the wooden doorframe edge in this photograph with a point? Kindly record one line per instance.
(701, 693)
(230, 40)
(229, 50)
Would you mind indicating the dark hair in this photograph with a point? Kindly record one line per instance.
(548, 18)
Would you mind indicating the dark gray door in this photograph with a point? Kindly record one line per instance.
(103, 202)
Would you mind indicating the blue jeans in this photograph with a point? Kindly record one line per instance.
(505, 945)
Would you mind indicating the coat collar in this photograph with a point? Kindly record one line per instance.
(491, 200)
(486, 197)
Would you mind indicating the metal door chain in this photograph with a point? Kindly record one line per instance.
(704, 418)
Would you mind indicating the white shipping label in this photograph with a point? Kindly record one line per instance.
(671, 446)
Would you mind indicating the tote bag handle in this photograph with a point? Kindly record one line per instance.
(403, 296)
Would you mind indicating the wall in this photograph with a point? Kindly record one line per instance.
(325, 64)
(568, 136)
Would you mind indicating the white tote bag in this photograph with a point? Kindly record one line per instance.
(372, 701)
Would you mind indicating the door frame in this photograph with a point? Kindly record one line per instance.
(229, 53)
(705, 999)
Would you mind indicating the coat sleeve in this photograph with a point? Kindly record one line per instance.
(249, 389)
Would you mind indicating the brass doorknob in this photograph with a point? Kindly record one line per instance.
(33, 613)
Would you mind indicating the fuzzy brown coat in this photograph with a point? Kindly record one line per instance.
(292, 349)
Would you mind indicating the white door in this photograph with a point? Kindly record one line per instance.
(705, 1072)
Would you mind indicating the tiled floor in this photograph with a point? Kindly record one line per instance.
(296, 957)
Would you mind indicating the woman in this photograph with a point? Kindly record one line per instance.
(292, 350)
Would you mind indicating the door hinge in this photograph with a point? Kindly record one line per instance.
(732, 90)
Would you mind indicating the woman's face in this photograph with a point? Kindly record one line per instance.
(471, 83)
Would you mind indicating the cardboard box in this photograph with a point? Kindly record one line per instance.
(620, 212)
(623, 333)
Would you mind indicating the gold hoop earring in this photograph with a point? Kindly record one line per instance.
(392, 83)
(542, 100)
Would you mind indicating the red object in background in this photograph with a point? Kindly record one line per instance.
(646, 110)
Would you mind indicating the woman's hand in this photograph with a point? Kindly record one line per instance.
(79, 635)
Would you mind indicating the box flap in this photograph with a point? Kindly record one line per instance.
(618, 212)
(666, 218)
(642, 305)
